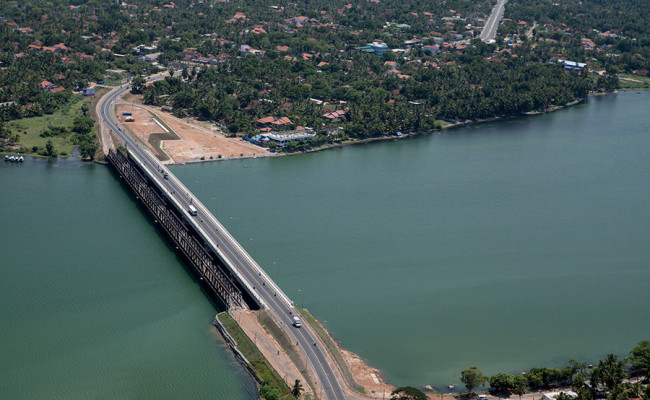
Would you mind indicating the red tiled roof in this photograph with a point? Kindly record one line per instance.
(266, 120)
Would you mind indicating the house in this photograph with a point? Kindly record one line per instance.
(588, 44)
(47, 86)
(300, 20)
(554, 395)
(334, 116)
(572, 64)
(267, 121)
(150, 57)
(62, 47)
(246, 50)
(281, 138)
(89, 91)
(412, 43)
(376, 48)
(433, 49)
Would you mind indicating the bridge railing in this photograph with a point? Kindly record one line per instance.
(231, 265)
(173, 226)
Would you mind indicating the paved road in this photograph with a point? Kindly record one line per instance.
(489, 31)
(247, 271)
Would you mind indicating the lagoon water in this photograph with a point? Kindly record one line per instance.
(94, 305)
(506, 245)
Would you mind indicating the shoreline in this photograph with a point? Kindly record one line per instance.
(407, 135)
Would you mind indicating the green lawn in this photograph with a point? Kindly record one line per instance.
(634, 85)
(29, 129)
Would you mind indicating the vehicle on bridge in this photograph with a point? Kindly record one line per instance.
(296, 322)
(192, 210)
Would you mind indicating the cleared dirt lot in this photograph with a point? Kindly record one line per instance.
(183, 141)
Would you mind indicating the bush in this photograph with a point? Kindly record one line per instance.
(269, 393)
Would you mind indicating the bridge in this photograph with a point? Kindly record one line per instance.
(218, 258)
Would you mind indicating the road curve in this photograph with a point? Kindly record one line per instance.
(247, 271)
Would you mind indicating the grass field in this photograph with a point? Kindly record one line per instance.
(29, 129)
(643, 84)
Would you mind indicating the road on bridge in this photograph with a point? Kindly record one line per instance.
(247, 271)
(489, 31)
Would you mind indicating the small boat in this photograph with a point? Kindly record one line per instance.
(14, 158)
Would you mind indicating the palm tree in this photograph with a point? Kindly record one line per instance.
(297, 389)
(609, 372)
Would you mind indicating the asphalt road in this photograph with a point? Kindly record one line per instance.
(247, 271)
(489, 31)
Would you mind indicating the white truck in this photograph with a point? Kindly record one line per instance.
(192, 210)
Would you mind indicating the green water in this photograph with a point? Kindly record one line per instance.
(93, 303)
(508, 245)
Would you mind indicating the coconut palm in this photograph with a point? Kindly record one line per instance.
(297, 389)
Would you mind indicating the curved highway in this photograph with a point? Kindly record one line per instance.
(247, 271)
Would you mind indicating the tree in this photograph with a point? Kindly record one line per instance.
(297, 389)
(502, 382)
(520, 385)
(83, 125)
(472, 378)
(407, 393)
(269, 393)
(137, 85)
(609, 372)
(641, 358)
(49, 149)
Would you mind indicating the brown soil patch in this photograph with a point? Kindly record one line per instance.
(365, 376)
(195, 141)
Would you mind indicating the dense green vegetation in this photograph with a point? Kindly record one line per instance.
(307, 64)
(56, 134)
(407, 393)
(607, 379)
(618, 29)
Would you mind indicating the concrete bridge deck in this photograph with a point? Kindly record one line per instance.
(242, 267)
